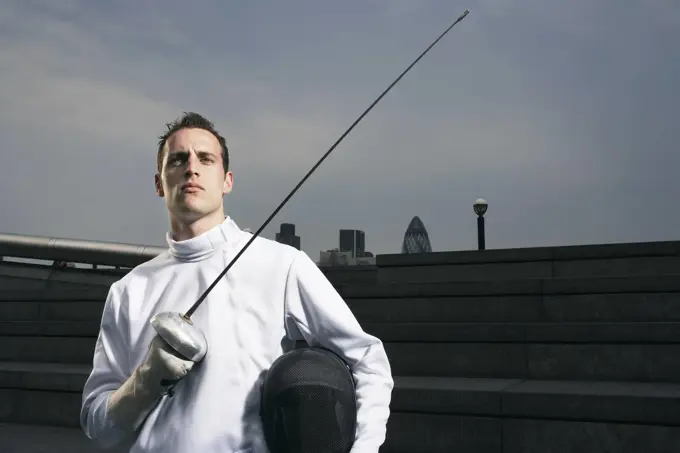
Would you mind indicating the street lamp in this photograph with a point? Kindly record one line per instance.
(480, 208)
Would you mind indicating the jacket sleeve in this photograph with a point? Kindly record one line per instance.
(324, 319)
(110, 369)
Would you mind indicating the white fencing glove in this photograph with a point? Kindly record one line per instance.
(162, 368)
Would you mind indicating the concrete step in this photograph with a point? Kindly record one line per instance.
(47, 349)
(86, 293)
(431, 433)
(428, 414)
(407, 289)
(550, 361)
(615, 307)
(434, 332)
(630, 299)
(439, 433)
(25, 438)
(536, 332)
(610, 402)
(608, 260)
(506, 287)
(342, 275)
(541, 361)
(90, 311)
(649, 307)
(50, 328)
(615, 267)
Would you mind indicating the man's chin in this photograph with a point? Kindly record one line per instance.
(191, 211)
(187, 209)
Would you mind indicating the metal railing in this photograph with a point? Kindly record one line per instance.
(76, 250)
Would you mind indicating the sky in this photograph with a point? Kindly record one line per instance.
(562, 115)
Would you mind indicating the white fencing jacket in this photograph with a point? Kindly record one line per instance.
(272, 296)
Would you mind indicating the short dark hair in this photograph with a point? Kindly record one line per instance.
(192, 120)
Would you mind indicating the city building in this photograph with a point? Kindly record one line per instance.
(351, 251)
(354, 242)
(337, 257)
(286, 235)
(416, 239)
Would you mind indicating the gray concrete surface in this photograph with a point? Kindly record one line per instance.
(435, 331)
(431, 433)
(51, 394)
(501, 357)
(583, 308)
(496, 287)
(442, 433)
(554, 360)
(611, 267)
(529, 254)
(18, 438)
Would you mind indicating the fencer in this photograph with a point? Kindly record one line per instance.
(273, 296)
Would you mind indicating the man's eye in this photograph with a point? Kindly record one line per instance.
(208, 159)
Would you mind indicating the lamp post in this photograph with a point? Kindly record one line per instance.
(480, 208)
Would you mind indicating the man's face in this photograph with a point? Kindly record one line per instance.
(192, 178)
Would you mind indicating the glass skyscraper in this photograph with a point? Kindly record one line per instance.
(416, 239)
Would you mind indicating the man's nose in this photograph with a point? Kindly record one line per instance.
(192, 165)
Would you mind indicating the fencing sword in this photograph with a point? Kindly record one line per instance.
(177, 329)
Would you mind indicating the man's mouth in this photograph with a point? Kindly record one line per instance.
(191, 188)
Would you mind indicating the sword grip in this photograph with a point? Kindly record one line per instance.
(170, 385)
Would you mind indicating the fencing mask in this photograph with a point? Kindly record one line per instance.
(308, 403)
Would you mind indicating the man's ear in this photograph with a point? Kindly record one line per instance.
(159, 186)
(228, 183)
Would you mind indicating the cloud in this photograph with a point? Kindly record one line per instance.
(559, 114)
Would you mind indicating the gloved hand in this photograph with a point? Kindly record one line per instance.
(130, 404)
(163, 366)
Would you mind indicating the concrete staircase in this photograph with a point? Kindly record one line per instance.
(532, 366)
(565, 349)
(521, 351)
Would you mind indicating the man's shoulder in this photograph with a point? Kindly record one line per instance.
(266, 245)
(143, 271)
(280, 254)
(277, 253)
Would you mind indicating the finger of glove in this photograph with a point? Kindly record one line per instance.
(175, 366)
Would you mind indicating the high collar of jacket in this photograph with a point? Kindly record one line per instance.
(205, 245)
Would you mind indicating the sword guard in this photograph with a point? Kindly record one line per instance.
(181, 334)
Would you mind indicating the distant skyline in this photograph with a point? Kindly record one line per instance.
(562, 115)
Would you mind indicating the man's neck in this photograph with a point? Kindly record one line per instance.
(181, 231)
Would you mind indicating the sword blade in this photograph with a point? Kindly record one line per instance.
(200, 300)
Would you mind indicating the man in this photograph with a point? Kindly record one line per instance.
(273, 296)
